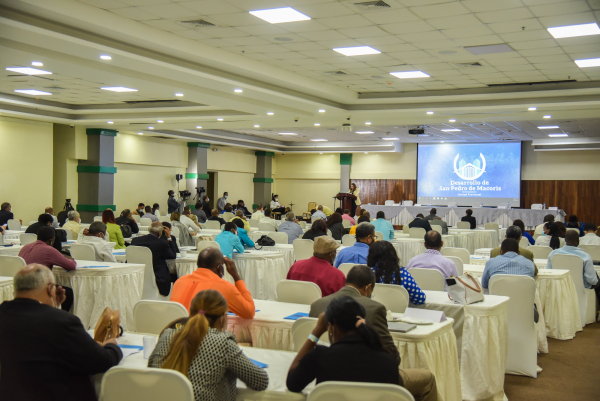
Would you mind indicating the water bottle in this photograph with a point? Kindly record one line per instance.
(544, 205)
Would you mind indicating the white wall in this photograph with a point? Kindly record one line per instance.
(559, 165)
(234, 168)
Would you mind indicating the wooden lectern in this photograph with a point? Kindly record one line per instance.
(346, 200)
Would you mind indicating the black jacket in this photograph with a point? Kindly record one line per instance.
(60, 236)
(46, 354)
(200, 215)
(337, 231)
(206, 208)
(130, 222)
(418, 222)
(172, 205)
(310, 234)
(162, 250)
(471, 221)
(219, 219)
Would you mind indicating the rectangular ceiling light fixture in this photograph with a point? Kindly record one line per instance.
(28, 70)
(319, 140)
(365, 132)
(589, 62)
(32, 92)
(571, 31)
(451, 130)
(557, 135)
(356, 50)
(287, 133)
(548, 127)
(118, 89)
(279, 15)
(409, 74)
(489, 49)
(390, 139)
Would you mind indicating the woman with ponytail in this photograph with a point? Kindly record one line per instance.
(200, 348)
(550, 237)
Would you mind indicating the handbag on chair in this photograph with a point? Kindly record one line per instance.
(465, 289)
(108, 325)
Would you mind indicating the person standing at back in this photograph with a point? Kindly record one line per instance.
(172, 204)
(222, 201)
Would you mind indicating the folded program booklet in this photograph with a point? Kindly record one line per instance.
(401, 327)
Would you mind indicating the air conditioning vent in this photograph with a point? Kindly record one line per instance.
(469, 65)
(373, 4)
(199, 22)
(150, 101)
(334, 73)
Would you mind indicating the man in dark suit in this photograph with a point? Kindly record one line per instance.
(471, 219)
(162, 250)
(439, 222)
(359, 285)
(45, 219)
(432, 213)
(46, 354)
(420, 221)
(206, 206)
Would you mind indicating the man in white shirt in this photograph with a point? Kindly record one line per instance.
(72, 223)
(259, 214)
(50, 211)
(590, 237)
(319, 214)
(187, 221)
(95, 237)
(267, 219)
(539, 230)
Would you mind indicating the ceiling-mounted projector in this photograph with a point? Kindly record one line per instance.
(416, 131)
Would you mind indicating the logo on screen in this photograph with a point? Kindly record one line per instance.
(469, 171)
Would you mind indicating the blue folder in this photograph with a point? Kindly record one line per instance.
(296, 316)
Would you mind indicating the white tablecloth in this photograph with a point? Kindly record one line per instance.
(117, 285)
(482, 239)
(6, 289)
(431, 347)
(11, 250)
(482, 342)
(286, 249)
(408, 248)
(11, 235)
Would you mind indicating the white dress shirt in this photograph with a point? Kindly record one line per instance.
(318, 215)
(257, 215)
(544, 240)
(275, 204)
(270, 221)
(589, 239)
(103, 251)
(54, 221)
(189, 223)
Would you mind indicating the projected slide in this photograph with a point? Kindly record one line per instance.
(469, 174)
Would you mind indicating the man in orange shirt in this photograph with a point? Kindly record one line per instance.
(209, 275)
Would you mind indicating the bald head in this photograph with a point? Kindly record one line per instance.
(36, 282)
(211, 259)
(433, 240)
(572, 238)
(320, 208)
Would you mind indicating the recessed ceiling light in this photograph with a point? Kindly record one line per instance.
(28, 70)
(109, 122)
(238, 90)
(256, 126)
(37, 63)
(319, 140)
(179, 94)
(548, 127)
(219, 119)
(118, 89)
(451, 130)
(366, 153)
(430, 112)
(532, 109)
(368, 123)
(159, 121)
(321, 110)
(356, 50)
(279, 15)
(590, 62)
(390, 139)
(557, 135)
(452, 121)
(365, 132)
(270, 113)
(548, 116)
(409, 74)
(198, 126)
(32, 92)
(320, 153)
(441, 141)
(140, 133)
(570, 31)
(317, 124)
(105, 57)
(287, 133)
(150, 127)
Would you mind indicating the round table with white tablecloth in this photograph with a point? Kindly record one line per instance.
(286, 249)
(482, 238)
(11, 250)
(485, 252)
(116, 285)
(6, 289)
(408, 248)
(10, 236)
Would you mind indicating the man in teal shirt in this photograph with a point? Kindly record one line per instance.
(243, 234)
(228, 240)
(383, 226)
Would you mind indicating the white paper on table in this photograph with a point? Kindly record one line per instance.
(434, 315)
(130, 350)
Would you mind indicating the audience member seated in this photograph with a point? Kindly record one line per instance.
(95, 238)
(573, 222)
(45, 220)
(239, 215)
(318, 214)
(243, 234)
(356, 354)
(275, 206)
(433, 258)
(590, 237)
(167, 228)
(432, 214)
(385, 263)
(358, 253)
(259, 214)
(140, 210)
(42, 252)
(562, 230)
(539, 230)
(317, 229)
(50, 212)
(291, 227)
(209, 276)
(339, 210)
(334, 224)
(185, 239)
(361, 219)
(200, 213)
(172, 204)
(201, 348)
(228, 208)
(221, 202)
(549, 237)
(420, 221)
(5, 213)
(242, 206)
(214, 216)
(185, 219)
(126, 218)
(72, 223)
(63, 215)
(113, 229)
(149, 215)
(509, 262)
(590, 278)
(162, 251)
(514, 232)
(383, 226)
(521, 225)
(470, 218)
(228, 240)
(46, 353)
(346, 216)
(156, 210)
(267, 219)
(318, 269)
(437, 221)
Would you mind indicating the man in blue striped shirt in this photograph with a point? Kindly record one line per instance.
(509, 262)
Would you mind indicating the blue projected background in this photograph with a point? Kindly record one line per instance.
(469, 174)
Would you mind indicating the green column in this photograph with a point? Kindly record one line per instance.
(345, 163)
(263, 178)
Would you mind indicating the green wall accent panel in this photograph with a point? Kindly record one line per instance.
(267, 180)
(95, 208)
(101, 131)
(96, 169)
(346, 158)
(198, 145)
(263, 153)
(195, 176)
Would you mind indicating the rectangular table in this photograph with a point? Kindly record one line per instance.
(6, 289)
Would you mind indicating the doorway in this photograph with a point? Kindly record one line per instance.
(210, 189)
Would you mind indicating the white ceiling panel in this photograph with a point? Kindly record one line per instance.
(210, 7)
(440, 10)
(134, 13)
(547, 10)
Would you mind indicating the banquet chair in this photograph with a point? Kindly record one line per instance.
(428, 279)
(143, 256)
(405, 228)
(592, 250)
(136, 217)
(379, 236)
(201, 245)
(153, 316)
(69, 235)
(394, 297)
(357, 391)
(348, 239)
(302, 224)
(436, 228)
(120, 384)
(164, 219)
(462, 253)
(175, 232)
(587, 297)
(212, 225)
(329, 233)
(303, 248)
(227, 216)
(10, 265)
(298, 292)
(99, 218)
(14, 225)
(311, 206)
(253, 223)
(82, 252)
(540, 252)
(458, 262)
(524, 242)
(492, 226)
(522, 332)
(346, 267)
(27, 238)
(279, 238)
(346, 223)
(265, 227)
(389, 203)
(463, 225)
(302, 328)
(408, 203)
(146, 222)
(416, 232)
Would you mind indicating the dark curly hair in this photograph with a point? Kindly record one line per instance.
(383, 256)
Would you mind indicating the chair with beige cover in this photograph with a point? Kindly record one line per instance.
(357, 391)
(265, 227)
(99, 218)
(346, 223)
(302, 224)
(463, 225)
(153, 316)
(136, 217)
(524, 243)
(405, 228)
(14, 225)
(201, 245)
(27, 238)
(393, 297)
(253, 223)
(592, 250)
(540, 252)
(416, 232)
(408, 203)
(346, 267)
(437, 228)
(492, 226)
(329, 233)
(301, 328)
(164, 219)
(587, 297)
(10, 265)
(389, 203)
(227, 216)
(458, 262)
(311, 206)
(462, 253)
(303, 248)
(379, 236)
(279, 238)
(120, 383)
(146, 222)
(348, 239)
(143, 256)
(82, 252)
(428, 279)
(212, 225)
(298, 292)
